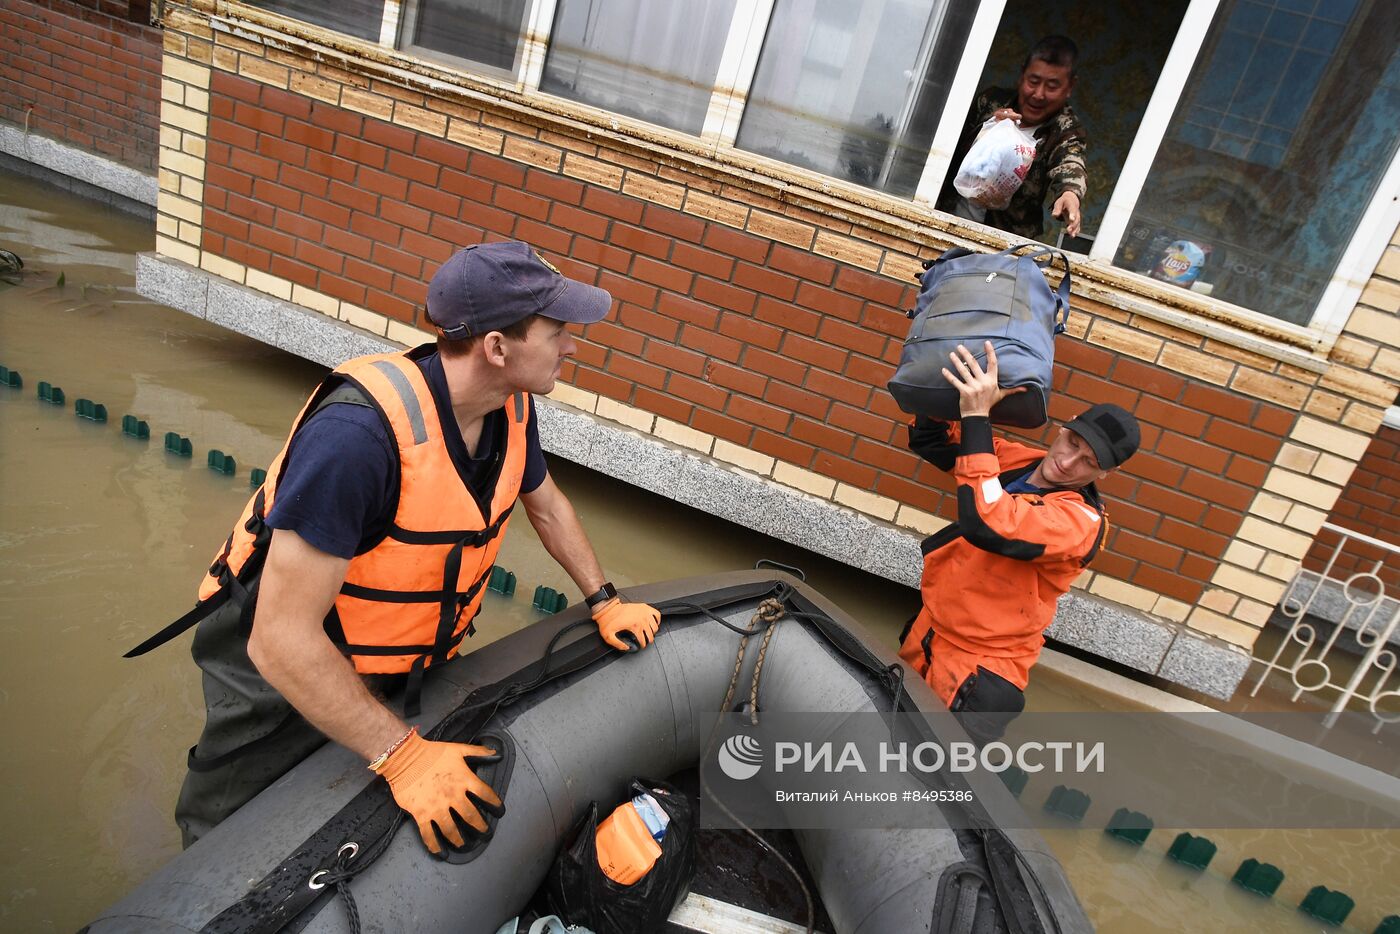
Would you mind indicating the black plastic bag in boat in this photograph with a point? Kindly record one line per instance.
(579, 892)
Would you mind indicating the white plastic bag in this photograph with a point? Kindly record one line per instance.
(996, 164)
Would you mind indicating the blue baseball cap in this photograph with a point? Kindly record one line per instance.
(490, 286)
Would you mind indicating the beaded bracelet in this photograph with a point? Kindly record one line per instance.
(378, 763)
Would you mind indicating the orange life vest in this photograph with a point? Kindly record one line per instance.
(409, 601)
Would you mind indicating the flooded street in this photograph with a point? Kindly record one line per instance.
(103, 539)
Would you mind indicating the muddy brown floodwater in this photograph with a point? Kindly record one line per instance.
(103, 539)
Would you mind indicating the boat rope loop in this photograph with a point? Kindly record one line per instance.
(768, 613)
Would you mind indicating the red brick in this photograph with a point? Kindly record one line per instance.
(750, 331)
(405, 215)
(258, 119)
(673, 223)
(649, 322)
(675, 358)
(281, 151)
(1190, 536)
(787, 316)
(766, 282)
(862, 423)
(1148, 379)
(664, 275)
(1171, 416)
(334, 119)
(540, 236)
(554, 187)
(1233, 436)
(822, 436)
(381, 183)
(889, 458)
(286, 103)
(782, 447)
(225, 131)
(734, 243)
(797, 400)
(873, 373)
(360, 152)
(613, 205)
(333, 215)
(601, 254)
(840, 468)
(907, 491)
(380, 231)
(584, 222)
(627, 290)
(1218, 402)
(759, 413)
(253, 164)
(516, 202)
(1198, 567)
(1157, 469)
(444, 154)
(431, 249)
(496, 169)
(704, 394)
(415, 170)
(1193, 453)
(706, 262)
(1215, 490)
(802, 264)
(467, 186)
(870, 287)
(663, 405)
(404, 263)
(591, 355)
(1168, 583)
(320, 257)
(1274, 420)
(817, 353)
(1095, 390)
(276, 195)
(706, 341)
(843, 335)
(370, 275)
(353, 198)
(609, 334)
(722, 426)
(735, 378)
(1077, 355)
(1131, 516)
(687, 310)
(839, 388)
(1147, 549)
(724, 295)
(829, 302)
(336, 286)
(886, 321)
(389, 305)
(1114, 565)
(330, 167)
(637, 240)
(602, 383)
(637, 371)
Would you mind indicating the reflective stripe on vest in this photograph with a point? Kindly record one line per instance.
(410, 600)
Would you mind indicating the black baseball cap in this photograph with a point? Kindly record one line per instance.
(1110, 430)
(490, 286)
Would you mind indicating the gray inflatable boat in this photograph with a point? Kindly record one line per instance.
(579, 720)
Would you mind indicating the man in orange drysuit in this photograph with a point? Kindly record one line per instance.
(1029, 522)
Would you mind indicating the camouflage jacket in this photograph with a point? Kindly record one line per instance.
(1058, 165)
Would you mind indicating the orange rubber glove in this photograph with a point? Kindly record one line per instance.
(640, 619)
(431, 780)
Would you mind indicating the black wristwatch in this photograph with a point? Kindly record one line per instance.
(603, 595)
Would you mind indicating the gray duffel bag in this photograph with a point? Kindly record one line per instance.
(968, 298)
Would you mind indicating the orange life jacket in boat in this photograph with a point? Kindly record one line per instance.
(409, 601)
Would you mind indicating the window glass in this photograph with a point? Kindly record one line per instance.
(1276, 147)
(855, 90)
(654, 61)
(360, 18)
(483, 31)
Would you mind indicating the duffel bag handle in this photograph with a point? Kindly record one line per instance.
(1061, 293)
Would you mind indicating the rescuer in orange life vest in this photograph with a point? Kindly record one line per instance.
(368, 547)
(1029, 522)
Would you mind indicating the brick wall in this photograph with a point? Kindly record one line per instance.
(85, 74)
(773, 348)
(1370, 504)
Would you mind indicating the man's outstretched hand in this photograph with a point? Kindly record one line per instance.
(977, 388)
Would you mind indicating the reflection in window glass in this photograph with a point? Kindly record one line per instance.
(855, 90)
(359, 18)
(654, 61)
(483, 31)
(1280, 139)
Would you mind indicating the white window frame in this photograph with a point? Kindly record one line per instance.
(739, 65)
(536, 25)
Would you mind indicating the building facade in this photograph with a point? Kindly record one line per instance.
(753, 182)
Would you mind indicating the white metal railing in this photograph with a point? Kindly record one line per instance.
(1364, 592)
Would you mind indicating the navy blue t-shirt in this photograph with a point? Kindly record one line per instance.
(1022, 484)
(341, 474)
